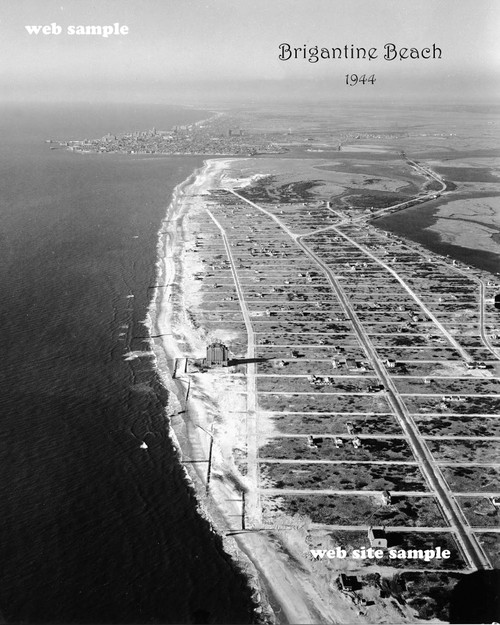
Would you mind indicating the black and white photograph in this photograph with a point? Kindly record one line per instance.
(250, 312)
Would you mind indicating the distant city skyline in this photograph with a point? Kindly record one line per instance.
(207, 48)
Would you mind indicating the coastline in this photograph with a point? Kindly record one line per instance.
(190, 441)
(286, 586)
(207, 413)
(267, 571)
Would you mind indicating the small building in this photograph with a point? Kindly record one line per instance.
(314, 441)
(338, 363)
(217, 355)
(497, 301)
(377, 537)
(386, 498)
(390, 363)
(347, 582)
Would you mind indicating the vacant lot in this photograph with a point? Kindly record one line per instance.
(343, 476)
(491, 544)
(449, 425)
(448, 387)
(472, 479)
(479, 511)
(465, 451)
(324, 403)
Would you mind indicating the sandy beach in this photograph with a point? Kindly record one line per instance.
(208, 418)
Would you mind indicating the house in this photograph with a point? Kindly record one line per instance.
(314, 441)
(338, 363)
(356, 442)
(386, 498)
(377, 537)
(347, 582)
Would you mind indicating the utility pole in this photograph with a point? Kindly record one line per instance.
(209, 454)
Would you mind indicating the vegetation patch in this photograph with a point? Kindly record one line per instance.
(343, 476)
(491, 544)
(335, 424)
(338, 448)
(358, 509)
(470, 479)
(479, 511)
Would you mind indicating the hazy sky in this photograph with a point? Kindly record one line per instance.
(203, 46)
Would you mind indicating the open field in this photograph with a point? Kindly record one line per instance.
(340, 448)
(323, 424)
(355, 509)
(342, 476)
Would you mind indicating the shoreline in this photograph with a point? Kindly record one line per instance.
(286, 586)
(187, 440)
(282, 593)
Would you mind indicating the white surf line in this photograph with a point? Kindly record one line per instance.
(253, 497)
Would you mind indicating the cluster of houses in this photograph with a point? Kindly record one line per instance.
(314, 442)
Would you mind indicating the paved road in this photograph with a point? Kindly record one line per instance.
(463, 353)
(484, 337)
(471, 548)
(486, 341)
(427, 170)
(253, 508)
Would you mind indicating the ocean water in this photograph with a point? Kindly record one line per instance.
(94, 529)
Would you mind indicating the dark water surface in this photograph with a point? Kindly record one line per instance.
(412, 222)
(93, 528)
